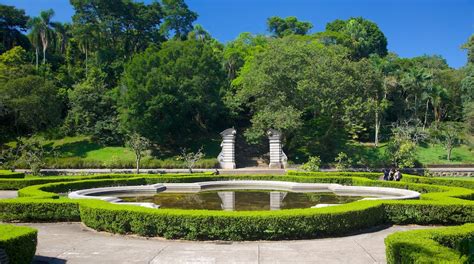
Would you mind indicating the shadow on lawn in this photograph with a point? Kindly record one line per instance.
(76, 149)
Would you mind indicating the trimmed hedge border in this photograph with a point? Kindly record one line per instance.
(438, 205)
(443, 245)
(19, 243)
(16, 184)
(6, 174)
(406, 178)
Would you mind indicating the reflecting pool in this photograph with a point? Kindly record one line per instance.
(240, 200)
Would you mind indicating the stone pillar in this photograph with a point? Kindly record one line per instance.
(228, 200)
(277, 157)
(275, 200)
(227, 156)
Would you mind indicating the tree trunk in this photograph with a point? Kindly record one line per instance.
(449, 153)
(138, 164)
(377, 128)
(37, 56)
(86, 60)
(426, 114)
(44, 55)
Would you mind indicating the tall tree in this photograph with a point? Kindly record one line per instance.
(281, 27)
(46, 31)
(12, 23)
(366, 37)
(469, 46)
(62, 31)
(178, 19)
(172, 95)
(35, 24)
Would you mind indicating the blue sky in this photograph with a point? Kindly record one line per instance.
(412, 27)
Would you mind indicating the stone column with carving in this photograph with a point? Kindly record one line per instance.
(227, 156)
(277, 156)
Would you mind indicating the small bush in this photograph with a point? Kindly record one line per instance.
(313, 164)
(19, 243)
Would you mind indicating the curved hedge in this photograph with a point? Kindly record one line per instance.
(19, 243)
(377, 175)
(438, 205)
(443, 245)
(16, 184)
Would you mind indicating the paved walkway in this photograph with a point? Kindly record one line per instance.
(8, 194)
(74, 243)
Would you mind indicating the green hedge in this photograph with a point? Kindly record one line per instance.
(6, 174)
(439, 205)
(19, 243)
(16, 184)
(443, 245)
(377, 175)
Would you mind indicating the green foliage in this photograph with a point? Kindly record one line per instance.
(443, 245)
(93, 110)
(139, 145)
(13, 23)
(31, 102)
(366, 37)
(172, 94)
(449, 134)
(312, 164)
(281, 27)
(6, 174)
(401, 153)
(179, 19)
(19, 243)
(343, 161)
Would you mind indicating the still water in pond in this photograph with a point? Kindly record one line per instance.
(241, 200)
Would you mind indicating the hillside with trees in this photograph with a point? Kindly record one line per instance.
(74, 94)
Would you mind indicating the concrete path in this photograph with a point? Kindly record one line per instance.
(74, 243)
(8, 194)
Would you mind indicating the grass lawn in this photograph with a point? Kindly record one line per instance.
(81, 151)
(425, 154)
(457, 178)
(436, 154)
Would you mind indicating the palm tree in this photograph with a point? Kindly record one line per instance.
(46, 33)
(62, 35)
(34, 35)
(414, 82)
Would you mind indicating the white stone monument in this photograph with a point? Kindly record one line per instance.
(227, 156)
(278, 158)
(228, 200)
(276, 198)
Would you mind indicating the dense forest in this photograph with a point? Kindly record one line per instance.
(124, 67)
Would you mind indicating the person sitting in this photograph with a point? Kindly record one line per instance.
(398, 175)
(391, 174)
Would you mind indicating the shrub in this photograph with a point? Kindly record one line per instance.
(313, 164)
(6, 174)
(444, 245)
(19, 243)
(39, 210)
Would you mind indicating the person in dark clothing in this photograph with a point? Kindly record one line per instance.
(385, 175)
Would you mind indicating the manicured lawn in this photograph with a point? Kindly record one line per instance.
(436, 154)
(457, 178)
(425, 154)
